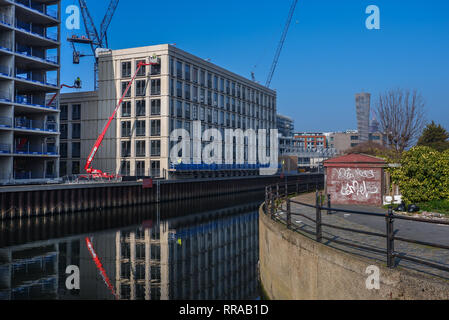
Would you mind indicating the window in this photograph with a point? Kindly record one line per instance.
(228, 89)
(63, 168)
(125, 168)
(221, 85)
(209, 80)
(172, 67)
(76, 150)
(63, 131)
(179, 109)
(76, 167)
(140, 128)
(179, 89)
(126, 129)
(124, 86)
(209, 97)
(126, 149)
(126, 109)
(126, 69)
(140, 87)
(140, 149)
(172, 88)
(156, 87)
(201, 113)
(76, 130)
(215, 83)
(76, 112)
(63, 147)
(187, 91)
(195, 75)
(140, 108)
(155, 107)
(354, 138)
(233, 89)
(155, 168)
(155, 148)
(195, 94)
(187, 72)
(195, 112)
(64, 114)
(179, 69)
(155, 69)
(187, 111)
(142, 70)
(155, 128)
(202, 77)
(140, 168)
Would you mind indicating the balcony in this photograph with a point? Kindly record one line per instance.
(5, 148)
(5, 71)
(38, 8)
(6, 19)
(29, 52)
(36, 30)
(5, 122)
(36, 149)
(31, 101)
(35, 78)
(35, 125)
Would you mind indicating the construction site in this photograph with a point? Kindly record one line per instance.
(120, 130)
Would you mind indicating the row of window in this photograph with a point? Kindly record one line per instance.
(76, 112)
(76, 150)
(140, 148)
(195, 94)
(140, 108)
(195, 112)
(140, 128)
(76, 131)
(221, 118)
(127, 69)
(212, 81)
(140, 88)
(140, 168)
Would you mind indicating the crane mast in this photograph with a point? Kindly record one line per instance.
(281, 43)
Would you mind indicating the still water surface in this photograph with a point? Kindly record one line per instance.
(195, 249)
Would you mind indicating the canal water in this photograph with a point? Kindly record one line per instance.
(195, 249)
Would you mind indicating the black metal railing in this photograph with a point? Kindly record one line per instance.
(280, 194)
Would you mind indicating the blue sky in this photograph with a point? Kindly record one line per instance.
(328, 57)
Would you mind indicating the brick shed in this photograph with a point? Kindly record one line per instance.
(355, 179)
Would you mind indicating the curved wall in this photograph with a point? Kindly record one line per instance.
(294, 267)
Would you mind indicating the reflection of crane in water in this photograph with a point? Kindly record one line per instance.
(100, 267)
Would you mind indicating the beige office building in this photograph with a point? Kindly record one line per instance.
(171, 95)
(343, 141)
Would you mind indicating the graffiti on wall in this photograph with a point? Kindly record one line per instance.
(354, 182)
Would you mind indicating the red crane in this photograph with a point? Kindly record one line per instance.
(88, 167)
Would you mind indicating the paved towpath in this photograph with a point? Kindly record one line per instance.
(438, 234)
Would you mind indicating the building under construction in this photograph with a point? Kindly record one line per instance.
(29, 72)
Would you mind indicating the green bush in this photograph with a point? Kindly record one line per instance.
(423, 175)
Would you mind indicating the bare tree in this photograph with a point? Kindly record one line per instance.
(401, 116)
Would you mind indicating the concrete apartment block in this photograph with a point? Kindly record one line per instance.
(29, 73)
(182, 89)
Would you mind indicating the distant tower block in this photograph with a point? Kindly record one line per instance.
(363, 102)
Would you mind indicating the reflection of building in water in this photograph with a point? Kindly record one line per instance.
(29, 271)
(212, 260)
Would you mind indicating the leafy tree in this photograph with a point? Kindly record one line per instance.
(434, 136)
(423, 175)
